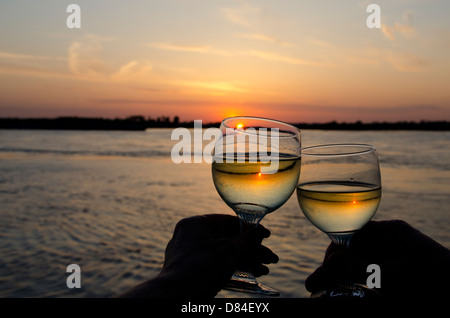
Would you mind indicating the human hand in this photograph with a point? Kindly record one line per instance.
(206, 250)
(202, 256)
(411, 263)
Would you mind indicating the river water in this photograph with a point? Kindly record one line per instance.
(109, 200)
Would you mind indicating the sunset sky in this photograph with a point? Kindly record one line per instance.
(293, 60)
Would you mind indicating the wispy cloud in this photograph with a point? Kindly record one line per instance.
(189, 48)
(265, 38)
(275, 57)
(243, 15)
(397, 28)
(404, 29)
(134, 71)
(406, 61)
(16, 56)
(85, 59)
(31, 65)
(34, 71)
(321, 43)
(216, 87)
(400, 60)
(268, 56)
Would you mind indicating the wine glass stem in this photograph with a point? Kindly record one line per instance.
(341, 240)
(246, 226)
(248, 223)
(249, 220)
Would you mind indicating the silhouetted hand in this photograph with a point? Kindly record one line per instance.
(203, 255)
(411, 263)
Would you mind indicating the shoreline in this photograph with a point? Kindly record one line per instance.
(139, 123)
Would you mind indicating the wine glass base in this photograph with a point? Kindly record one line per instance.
(249, 286)
(346, 290)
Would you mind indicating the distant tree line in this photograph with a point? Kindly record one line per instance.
(86, 123)
(138, 122)
(402, 125)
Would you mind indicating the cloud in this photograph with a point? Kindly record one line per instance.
(34, 71)
(400, 60)
(406, 61)
(85, 57)
(128, 101)
(388, 32)
(408, 16)
(31, 65)
(189, 48)
(376, 109)
(404, 29)
(86, 62)
(16, 56)
(321, 43)
(216, 87)
(264, 37)
(134, 71)
(242, 16)
(268, 56)
(281, 58)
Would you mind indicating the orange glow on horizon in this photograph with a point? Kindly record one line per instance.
(238, 126)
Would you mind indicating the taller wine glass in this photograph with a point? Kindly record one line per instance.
(255, 171)
(339, 192)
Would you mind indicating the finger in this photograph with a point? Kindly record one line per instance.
(227, 251)
(259, 270)
(225, 254)
(262, 232)
(255, 234)
(201, 227)
(267, 256)
(383, 240)
(328, 273)
(192, 226)
(318, 280)
(221, 225)
(254, 260)
(331, 249)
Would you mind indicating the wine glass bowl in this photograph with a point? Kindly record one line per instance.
(339, 188)
(255, 170)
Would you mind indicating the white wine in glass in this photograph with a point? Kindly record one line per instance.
(250, 192)
(339, 191)
(257, 178)
(339, 207)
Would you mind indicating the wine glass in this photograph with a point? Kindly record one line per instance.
(255, 170)
(339, 191)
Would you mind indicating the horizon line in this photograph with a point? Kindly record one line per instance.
(176, 118)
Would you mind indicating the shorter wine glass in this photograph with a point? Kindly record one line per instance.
(255, 171)
(339, 191)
